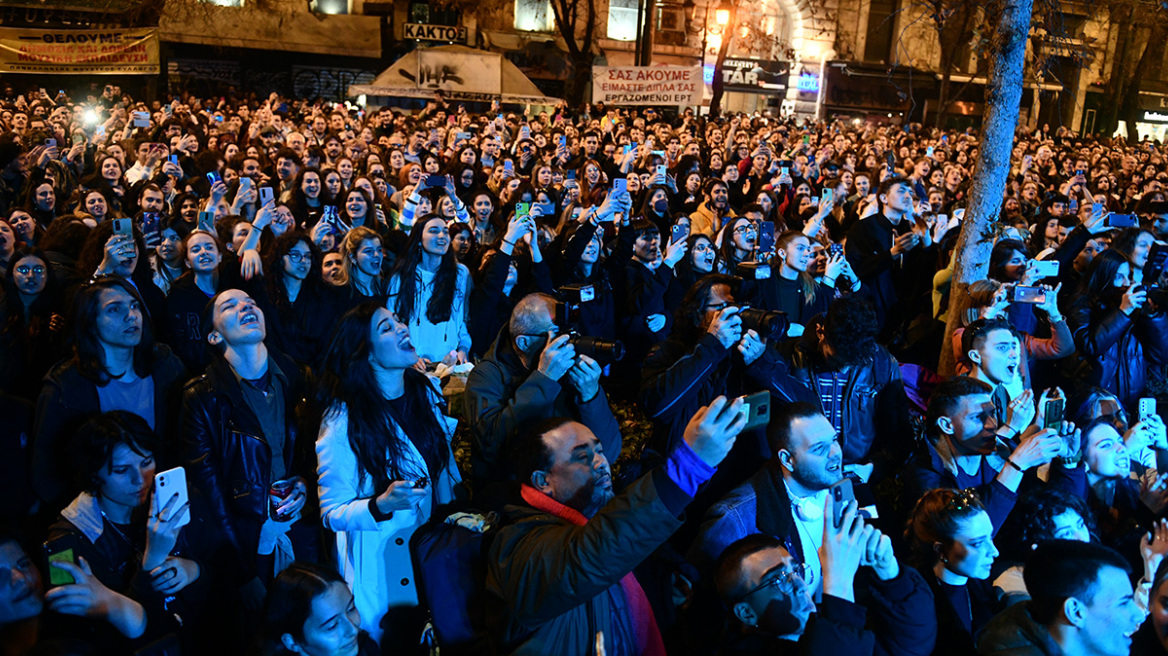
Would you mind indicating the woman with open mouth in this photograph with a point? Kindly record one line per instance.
(384, 465)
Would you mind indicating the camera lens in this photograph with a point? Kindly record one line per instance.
(768, 324)
(604, 351)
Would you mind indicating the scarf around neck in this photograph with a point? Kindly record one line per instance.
(648, 636)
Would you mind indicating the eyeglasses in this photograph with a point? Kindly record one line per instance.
(24, 270)
(745, 230)
(787, 581)
(297, 257)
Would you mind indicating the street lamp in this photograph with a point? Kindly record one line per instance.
(722, 15)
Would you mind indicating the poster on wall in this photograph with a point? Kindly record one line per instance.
(647, 85)
(755, 75)
(459, 72)
(88, 52)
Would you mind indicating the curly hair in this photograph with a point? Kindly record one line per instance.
(850, 327)
(1037, 510)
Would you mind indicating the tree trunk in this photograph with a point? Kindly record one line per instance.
(579, 83)
(717, 88)
(1148, 68)
(1113, 91)
(1003, 95)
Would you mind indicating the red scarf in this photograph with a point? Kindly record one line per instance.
(645, 629)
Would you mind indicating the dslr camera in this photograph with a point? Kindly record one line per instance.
(567, 319)
(769, 324)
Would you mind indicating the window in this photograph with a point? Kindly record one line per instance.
(330, 6)
(881, 21)
(534, 16)
(422, 13)
(622, 20)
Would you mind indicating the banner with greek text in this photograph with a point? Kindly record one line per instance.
(647, 85)
(85, 52)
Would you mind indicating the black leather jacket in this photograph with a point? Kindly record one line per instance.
(1118, 348)
(227, 457)
(875, 424)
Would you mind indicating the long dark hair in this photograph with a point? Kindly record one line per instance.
(87, 350)
(347, 377)
(274, 265)
(1099, 279)
(42, 307)
(441, 304)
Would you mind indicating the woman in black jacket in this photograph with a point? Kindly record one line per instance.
(300, 309)
(498, 285)
(154, 551)
(951, 538)
(31, 323)
(116, 363)
(1119, 331)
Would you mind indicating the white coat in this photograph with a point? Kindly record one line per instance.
(374, 557)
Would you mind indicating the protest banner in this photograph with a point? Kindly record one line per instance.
(647, 85)
(87, 52)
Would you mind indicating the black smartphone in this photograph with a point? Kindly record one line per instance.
(757, 407)
(835, 249)
(1053, 412)
(421, 483)
(841, 494)
(436, 181)
(676, 234)
(214, 177)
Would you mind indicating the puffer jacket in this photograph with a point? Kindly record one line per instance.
(229, 461)
(1116, 348)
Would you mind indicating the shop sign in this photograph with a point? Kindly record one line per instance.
(434, 32)
(755, 75)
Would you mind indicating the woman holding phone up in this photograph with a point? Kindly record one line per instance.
(384, 465)
(153, 553)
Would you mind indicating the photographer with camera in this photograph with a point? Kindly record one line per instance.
(713, 345)
(531, 373)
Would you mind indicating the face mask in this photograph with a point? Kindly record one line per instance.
(661, 206)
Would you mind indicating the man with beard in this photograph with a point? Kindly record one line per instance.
(966, 447)
(785, 499)
(560, 574)
(714, 209)
(774, 614)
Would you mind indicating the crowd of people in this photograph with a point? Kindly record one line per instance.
(243, 339)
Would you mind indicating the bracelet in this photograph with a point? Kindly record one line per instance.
(1015, 465)
(509, 243)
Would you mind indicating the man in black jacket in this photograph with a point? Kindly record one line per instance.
(855, 382)
(240, 438)
(709, 354)
(774, 612)
(892, 255)
(520, 382)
